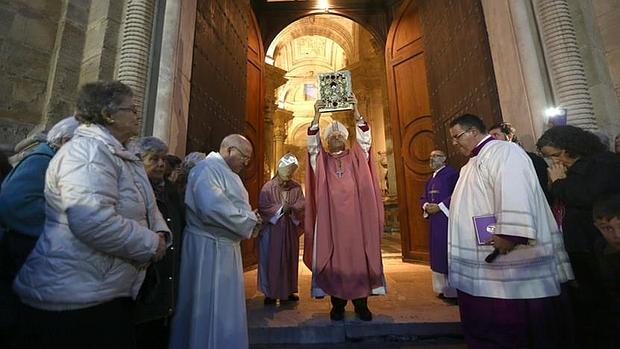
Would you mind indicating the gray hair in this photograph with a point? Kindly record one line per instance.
(192, 159)
(62, 131)
(147, 145)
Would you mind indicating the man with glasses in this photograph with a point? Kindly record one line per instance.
(343, 217)
(435, 203)
(506, 254)
(211, 303)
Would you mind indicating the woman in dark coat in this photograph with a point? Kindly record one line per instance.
(156, 300)
(582, 172)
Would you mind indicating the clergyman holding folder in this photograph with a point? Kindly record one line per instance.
(506, 254)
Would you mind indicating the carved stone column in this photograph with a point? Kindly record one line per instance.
(565, 64)
(280, 132)
(274, 78)
(135, 49)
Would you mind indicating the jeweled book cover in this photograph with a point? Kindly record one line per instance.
(335, 90)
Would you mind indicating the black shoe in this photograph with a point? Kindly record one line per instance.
(451, 301)
(364, 314)
(293, 298)
(336, 314)
(269, 301)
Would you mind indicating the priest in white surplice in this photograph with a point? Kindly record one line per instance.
(516, 300)
(211, 303)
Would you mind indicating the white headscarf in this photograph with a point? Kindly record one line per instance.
(333, 127)
(287, 160)
(62, 131)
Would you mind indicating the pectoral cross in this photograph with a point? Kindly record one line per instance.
(432, 193)
(339, 171)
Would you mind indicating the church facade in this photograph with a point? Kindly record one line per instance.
(202, 69)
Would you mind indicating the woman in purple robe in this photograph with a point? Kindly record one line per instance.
(281, 204)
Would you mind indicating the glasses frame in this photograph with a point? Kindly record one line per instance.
(133, 109)
(457, 137)
(243, 156)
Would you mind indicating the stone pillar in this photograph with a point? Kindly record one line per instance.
(565, 64)
(133, 67)
(280, 130)
(524, 93)
(175, 71)
(274, 78)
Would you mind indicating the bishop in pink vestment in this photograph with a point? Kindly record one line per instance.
(344, 218)
(281, 204)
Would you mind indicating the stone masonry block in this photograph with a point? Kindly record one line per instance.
(38, 33)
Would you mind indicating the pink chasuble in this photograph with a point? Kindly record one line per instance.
(344, 209)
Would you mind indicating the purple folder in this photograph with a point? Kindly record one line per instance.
(485, 228)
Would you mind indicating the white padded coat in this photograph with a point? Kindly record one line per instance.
(100, 227)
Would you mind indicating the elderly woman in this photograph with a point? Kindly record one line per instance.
(101, 231)
(157, 296)
(582, 172)
(21, 196)
(23, 214)
(281, 204)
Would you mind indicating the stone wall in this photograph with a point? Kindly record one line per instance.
(47, 50)
(597, 25)
(27, 35)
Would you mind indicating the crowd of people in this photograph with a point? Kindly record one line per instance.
(108, 241)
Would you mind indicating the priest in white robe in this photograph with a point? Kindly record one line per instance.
(515, 300)
(211, 302)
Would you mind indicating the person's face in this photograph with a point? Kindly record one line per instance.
(238, 157)
(617, 144)
(126, 120)
(336, 142)
(464, 139)
(286, 173)
(610, 230)
(437, 159)
(557, 155)
(155, 166)
(498, 134)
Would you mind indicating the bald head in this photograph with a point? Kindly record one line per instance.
(236, 151)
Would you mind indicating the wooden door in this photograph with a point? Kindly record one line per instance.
(254, 125)
(460, 68)
(411, 123)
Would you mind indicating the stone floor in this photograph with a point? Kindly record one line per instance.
(409, 312)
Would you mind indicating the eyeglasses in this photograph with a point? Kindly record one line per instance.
(457, 137)
(243, 156)
(132, 109)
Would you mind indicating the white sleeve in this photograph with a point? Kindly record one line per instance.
(314, 142)
(364, 138)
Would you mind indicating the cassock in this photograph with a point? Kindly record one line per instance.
(344, 219)
(515, 300)
(279, 238)
(438, 191)
(211, 303)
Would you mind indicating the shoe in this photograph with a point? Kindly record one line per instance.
(293, 298)
(364, 313)
(451, 301)
(269, 301)
(336, 314)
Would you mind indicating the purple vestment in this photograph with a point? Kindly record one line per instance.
(438, 190)
(279, 238)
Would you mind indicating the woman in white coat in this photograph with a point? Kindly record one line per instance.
(102, 229)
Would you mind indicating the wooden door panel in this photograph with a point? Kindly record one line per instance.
(411, 126)
(253, 174)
